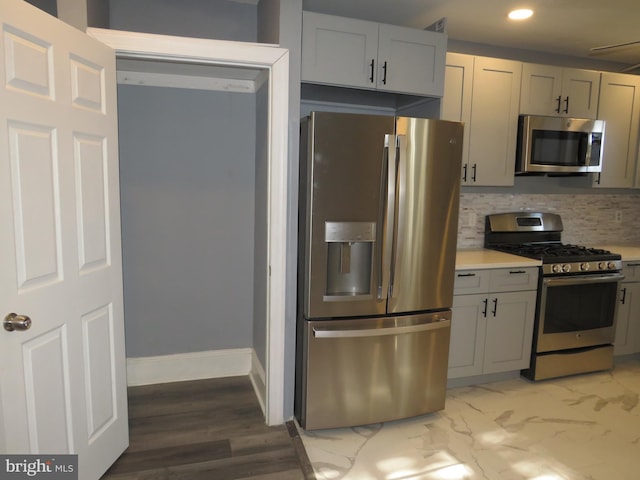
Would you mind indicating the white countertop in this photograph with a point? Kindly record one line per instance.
(628, 252)
(478, 258)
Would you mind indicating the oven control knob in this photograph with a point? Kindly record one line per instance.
(557, 268)
(611, 266)
(602, 266)
(584, 267)
(566, 268)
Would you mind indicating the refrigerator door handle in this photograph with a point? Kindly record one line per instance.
(386, 214)
(378, 332)
(397, 193)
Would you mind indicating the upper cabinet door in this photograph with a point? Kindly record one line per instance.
(620, 109)
(339, 51)
(494, 121)
(557, 91)
(456, 100)
(411, 60)
(581, 90)
(541, 89)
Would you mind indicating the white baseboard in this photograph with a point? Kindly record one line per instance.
(258, 380)
(191, 366)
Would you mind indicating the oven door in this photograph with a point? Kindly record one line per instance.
(577, 311)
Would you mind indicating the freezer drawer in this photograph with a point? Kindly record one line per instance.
(363, 371)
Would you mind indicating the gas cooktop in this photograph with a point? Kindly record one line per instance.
(553, 252)
(537, 235)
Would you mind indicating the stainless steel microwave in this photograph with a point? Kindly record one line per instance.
(559, 145)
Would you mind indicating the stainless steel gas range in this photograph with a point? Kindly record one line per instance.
(577, 294)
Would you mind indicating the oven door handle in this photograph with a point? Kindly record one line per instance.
(582, 279)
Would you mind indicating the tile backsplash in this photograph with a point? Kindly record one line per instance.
(587, 219)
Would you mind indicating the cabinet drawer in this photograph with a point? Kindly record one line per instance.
(513, 279)
(471, 281)
(631, 271)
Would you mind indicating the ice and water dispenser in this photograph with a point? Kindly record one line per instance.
(350, 249)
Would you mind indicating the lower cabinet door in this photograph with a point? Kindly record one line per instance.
(468, 326)
(627, 338)
(509, 331)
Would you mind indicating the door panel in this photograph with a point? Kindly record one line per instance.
(98, 358)
(370, 370)
(91, 167)
(345, 158)
(427, 215)
(62, 381)
(87, 85)
(47, 391)
(36, 203)
(28, 62)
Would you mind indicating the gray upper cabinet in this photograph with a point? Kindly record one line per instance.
(620, 109)
(559, 92)
(484, 93)
(359, 54)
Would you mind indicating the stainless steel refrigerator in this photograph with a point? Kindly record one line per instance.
(378, 224)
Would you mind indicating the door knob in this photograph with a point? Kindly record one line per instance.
(16, 322)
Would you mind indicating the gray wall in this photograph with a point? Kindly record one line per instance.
(49, 6)
(277, 22)
(187, 179)
(219, 19)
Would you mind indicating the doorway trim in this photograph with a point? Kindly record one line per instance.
(275, 61)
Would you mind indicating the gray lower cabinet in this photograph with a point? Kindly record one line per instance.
(627, 340)
(492, 321)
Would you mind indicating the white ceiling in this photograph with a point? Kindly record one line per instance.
(561, 27)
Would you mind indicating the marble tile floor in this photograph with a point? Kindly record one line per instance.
(583, 427)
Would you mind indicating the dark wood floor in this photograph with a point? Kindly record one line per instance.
(206, 429)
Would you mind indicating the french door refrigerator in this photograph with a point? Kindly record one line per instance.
(379, 200)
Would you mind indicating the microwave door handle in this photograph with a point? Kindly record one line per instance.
(385, 215)
(587, 159)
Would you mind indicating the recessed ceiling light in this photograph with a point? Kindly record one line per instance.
(520, 14)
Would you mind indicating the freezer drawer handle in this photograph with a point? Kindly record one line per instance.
(378, 332)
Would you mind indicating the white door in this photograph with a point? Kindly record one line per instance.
(62, 381)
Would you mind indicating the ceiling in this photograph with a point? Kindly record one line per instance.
(559, 27)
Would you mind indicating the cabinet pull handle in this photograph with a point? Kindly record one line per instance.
(372, 67)
(624, 296)
(466, 275)
(486, 303)
(566, 105)
(464, 172)
(633, 264)
(475, 169)
(495, 306)
(516, 272)
(598, 179)
(384, 73)
(559, 100)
